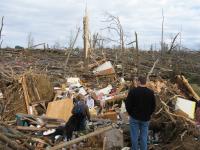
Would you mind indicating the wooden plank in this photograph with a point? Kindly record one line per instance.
(26, 96)
(44, 118)
(79, 139)
(23, 128)
(60, 109)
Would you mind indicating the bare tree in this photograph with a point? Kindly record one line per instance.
(30, 40)
(71, 45)
(100, 42)
(172, 46)
(115, 25)
(137, 52)
(68, 52)
(86, 38)
(1, 28)
(57, 45)
(94, 40)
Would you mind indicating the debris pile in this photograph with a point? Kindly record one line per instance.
(32, 110)
(171, 126)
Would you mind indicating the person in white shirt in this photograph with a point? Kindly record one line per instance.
(90, 102)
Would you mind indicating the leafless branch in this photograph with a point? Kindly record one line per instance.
(33, 46)
(172, 44)
(112, 28)
(115, 25)
(131, 43)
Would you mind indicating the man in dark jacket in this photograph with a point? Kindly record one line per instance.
(140, 104)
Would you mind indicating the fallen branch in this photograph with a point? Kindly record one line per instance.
(151, 71)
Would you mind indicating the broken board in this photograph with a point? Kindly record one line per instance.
(60, 109)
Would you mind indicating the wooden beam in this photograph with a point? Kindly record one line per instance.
(26, 96)
(81, 138)
(137, 51)
(23, 128)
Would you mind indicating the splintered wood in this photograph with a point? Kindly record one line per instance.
(22, 95)
(184, 82)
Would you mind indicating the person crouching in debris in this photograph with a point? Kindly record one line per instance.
(140, 104)
(81, 112)
(77, 122)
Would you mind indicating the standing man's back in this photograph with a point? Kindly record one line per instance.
(140, 104)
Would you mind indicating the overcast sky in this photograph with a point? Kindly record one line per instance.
(54, 20)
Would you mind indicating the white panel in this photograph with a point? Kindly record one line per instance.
(186, 106)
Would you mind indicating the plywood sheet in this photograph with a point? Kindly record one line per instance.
(60, 109)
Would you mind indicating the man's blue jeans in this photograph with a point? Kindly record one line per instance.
(139, 129)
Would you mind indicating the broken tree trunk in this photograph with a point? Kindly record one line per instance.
(97, 132)
(185, 82)
(86, 38)
(1, 28)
